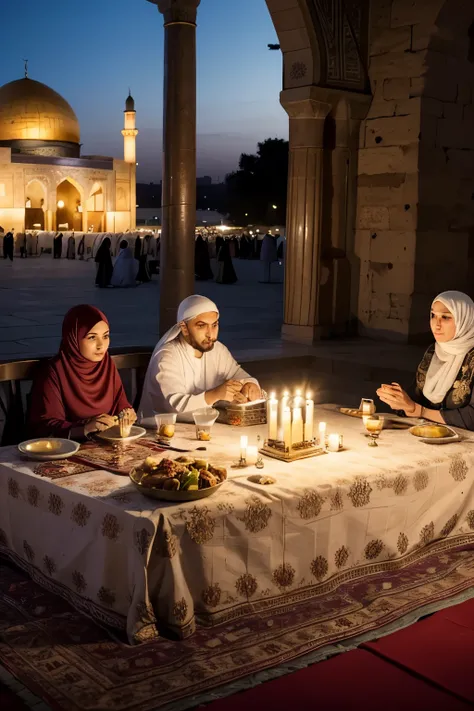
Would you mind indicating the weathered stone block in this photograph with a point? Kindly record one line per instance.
(439, 85)
(398, 88)
(418, 104)
(362, 244)
(460, 162)
(391, 190)
(369, 218)
(292, 40)
(398, 278)
(432, 217)
(380, 13)
(398, 65)
(454, 133)
(394, 131)
(393, 246)
(393, 159)
(391, 40)
(380, 108)
(414, 12)
(452, 111)
(403, 217)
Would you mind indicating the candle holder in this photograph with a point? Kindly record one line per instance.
(259, 464)
(300, 450)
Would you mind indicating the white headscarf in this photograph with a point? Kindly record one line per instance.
(448, 357)
(188, 309)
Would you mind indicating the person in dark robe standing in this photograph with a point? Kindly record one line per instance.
(103, 260)
(71, 248)
(23, 246)
(225, 271)
(58, 246)
(143, 275)
(202, 261)
(8, 246)
(81, 248)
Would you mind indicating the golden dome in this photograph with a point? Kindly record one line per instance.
(30, 110)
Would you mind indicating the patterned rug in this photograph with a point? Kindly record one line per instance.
(74, 665)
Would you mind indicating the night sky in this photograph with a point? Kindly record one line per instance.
(91, 51)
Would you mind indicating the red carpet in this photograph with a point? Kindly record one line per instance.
(440, 649)
(349, 682)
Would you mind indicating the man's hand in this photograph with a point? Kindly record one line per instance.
(227, 391)
(251, 391)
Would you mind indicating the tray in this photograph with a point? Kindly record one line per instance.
(60, 448)
(113, 434)
(164, 495)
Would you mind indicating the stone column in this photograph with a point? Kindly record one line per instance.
(304, 213)
(179, 157)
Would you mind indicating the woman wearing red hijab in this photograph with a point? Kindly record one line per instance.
(79, 391)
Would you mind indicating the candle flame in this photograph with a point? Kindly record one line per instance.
(272, 396)
(308, 396)
(298, 393)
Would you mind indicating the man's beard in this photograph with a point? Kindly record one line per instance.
(202, 348)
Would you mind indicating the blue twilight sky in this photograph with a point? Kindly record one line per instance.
(91, 51)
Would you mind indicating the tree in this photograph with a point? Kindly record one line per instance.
(256, 193)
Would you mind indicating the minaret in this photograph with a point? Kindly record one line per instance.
(129, 134)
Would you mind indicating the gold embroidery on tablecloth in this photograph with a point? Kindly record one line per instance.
(201, 526)
(402, 543)
(341, 556)
(246, 585)
(13, 488)
(337, 501)
(55, 504)
(79, 581)
(319, 567)
(106, 596)
(310, 504)
(470, 519)
(49, 565)
(211, 596)
(225, 507)
(360, 491)
(450, 525)
(421, 480)
(170, 545)
(256, 515)
(180, 610)
(382, 481)
(373, 549)
(3, 538)
(427, 533)
(80, 514)
(29, 552)
(33, 495)
(142, 540)
(400, 484)
(458, 467)
(283, 576)
(110, 527)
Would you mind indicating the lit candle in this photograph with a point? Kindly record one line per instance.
(297, 420)
(308, 419)
(334, 441)
(244, 441)
(252, 454)
(286, 427)
(368, 407)
(281, 409)
(272, 417)
(322, 433)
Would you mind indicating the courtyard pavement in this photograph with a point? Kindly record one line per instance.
(36, 292)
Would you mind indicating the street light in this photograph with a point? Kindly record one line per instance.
(274, 207)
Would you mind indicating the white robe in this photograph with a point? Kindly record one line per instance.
(125, 269)
(176, 381)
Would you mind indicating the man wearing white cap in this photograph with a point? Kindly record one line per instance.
(190, 368)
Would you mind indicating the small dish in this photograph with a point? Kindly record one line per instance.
(434, 433)
(48, 449)
(113, 434)
(165, 495)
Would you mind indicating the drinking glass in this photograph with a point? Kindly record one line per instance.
(204, 419)
(165, 424)
(374, 426)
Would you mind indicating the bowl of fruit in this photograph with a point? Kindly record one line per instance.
(181, 479)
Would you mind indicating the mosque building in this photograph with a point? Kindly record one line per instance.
(45, 182)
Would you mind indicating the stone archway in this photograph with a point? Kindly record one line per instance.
(36, 200)
(68, 202)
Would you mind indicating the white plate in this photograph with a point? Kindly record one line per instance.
(454, 437)
(113, 434)
(60, 448)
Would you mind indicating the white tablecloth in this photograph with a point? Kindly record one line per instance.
(141, 564)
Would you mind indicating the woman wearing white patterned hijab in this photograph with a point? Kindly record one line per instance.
(445, 376)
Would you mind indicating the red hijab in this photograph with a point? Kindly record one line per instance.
(87, 388)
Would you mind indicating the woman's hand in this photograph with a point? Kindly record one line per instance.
(99, 424)
(128, 416)
(394, 396)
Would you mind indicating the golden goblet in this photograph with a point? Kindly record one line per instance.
(374, 426)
